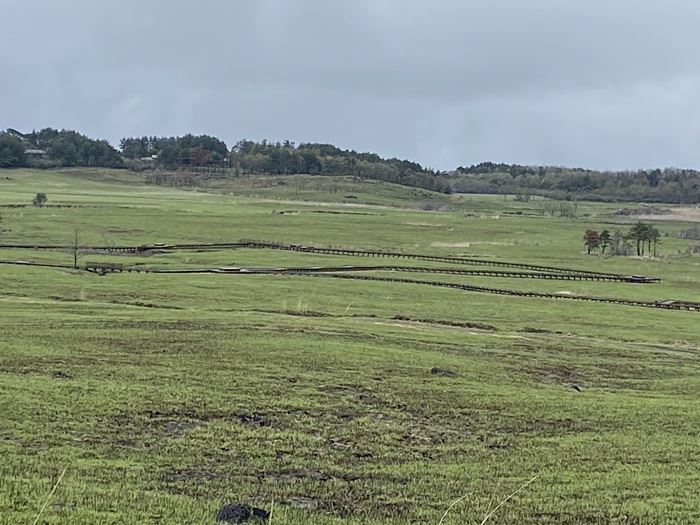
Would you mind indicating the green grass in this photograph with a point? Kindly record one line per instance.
(165, 396)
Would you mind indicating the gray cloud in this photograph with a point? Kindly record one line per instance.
(597, 83)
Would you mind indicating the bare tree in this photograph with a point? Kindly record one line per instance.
(549, 208)
(77, 247)
(566, 210)
(107, 240)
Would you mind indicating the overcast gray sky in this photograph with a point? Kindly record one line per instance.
(610, 84)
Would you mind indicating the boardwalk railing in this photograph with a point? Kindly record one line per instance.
(517, 270)
(272, 245)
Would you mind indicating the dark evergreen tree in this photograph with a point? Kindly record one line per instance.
(11, 152)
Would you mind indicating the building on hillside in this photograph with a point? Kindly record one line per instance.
(35, 153)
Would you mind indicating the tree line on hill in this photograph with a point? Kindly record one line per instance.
(279, 158)
(670, 185)
(53, 148)
(287, 158)
(50, 148)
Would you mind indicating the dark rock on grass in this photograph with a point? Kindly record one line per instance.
(240, 513)
(437, 371)
(58, 374)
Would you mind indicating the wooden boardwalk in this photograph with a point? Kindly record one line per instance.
(509, 270)
(271, 245)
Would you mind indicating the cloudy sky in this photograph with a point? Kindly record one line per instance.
(611, 84)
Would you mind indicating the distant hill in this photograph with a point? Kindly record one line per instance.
(49, 148)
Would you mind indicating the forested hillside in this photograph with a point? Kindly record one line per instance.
(279, 158)
(669, 185)
(50, 148)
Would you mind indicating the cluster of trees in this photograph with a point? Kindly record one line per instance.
(12, 153)
(248, 157)
(669, 185)
(514, 170)
(61, 148)
(71, 148)
(641, 234)
(175, 152)
(594, 240)
(565, 209)
(288, 158)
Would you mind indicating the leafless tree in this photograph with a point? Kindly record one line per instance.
(77, 247)
(107, 241)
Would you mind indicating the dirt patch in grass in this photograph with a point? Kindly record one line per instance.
(296, 313)
(303, 313)
(288, 476)
(142, 304)
(458, 324)
(534, 330)
(347, 213)
(252, 419)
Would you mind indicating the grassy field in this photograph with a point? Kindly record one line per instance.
(161, 397)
